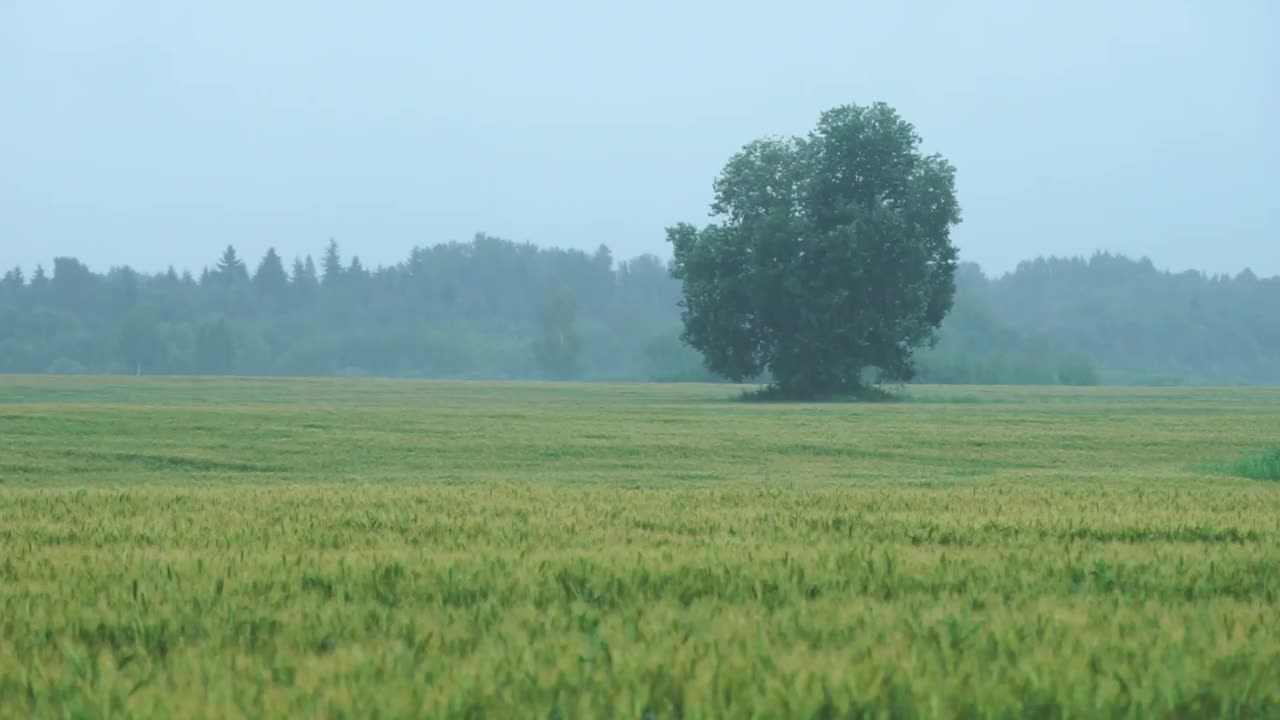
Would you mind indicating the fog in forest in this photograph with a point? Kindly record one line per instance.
(493, 308)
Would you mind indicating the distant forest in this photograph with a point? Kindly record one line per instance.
(491, 308)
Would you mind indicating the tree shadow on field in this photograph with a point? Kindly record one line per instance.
(870, 394)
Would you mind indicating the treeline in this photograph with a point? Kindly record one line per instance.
(491, 308)
(1108, 319)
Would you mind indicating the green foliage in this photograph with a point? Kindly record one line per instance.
(668, 359)
(141, 347)
(1134, 323)
(270, 280)
(215, 349)
(220, 547)
(474, 310)
(454, 310)
(832, 255)
(304, 280)
(944, 365)
(13, 281)
(867, 392)
(66, 366)
(557, 347)
(332, 264)
(231, 270)
(1264, 466)
(1078, 370)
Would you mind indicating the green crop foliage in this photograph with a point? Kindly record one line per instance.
(1265, 466)
(330, 548)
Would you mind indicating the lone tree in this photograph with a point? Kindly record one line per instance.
(831, 254)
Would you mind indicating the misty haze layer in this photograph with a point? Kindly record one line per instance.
(494, 309)
(151, 134)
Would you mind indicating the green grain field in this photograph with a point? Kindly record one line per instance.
(330, 548)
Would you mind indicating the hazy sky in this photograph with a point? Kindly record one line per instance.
(155, 132)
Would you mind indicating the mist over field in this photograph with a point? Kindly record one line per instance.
(143, 142)
(670, 360)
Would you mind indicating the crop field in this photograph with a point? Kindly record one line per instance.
(365, 548)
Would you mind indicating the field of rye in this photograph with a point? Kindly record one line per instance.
(335, 548)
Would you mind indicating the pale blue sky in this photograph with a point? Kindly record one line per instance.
(156, 132)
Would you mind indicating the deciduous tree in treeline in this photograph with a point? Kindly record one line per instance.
(141, 347)
(215, 349)
(557, 346)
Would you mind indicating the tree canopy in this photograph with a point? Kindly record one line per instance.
(831, 256)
